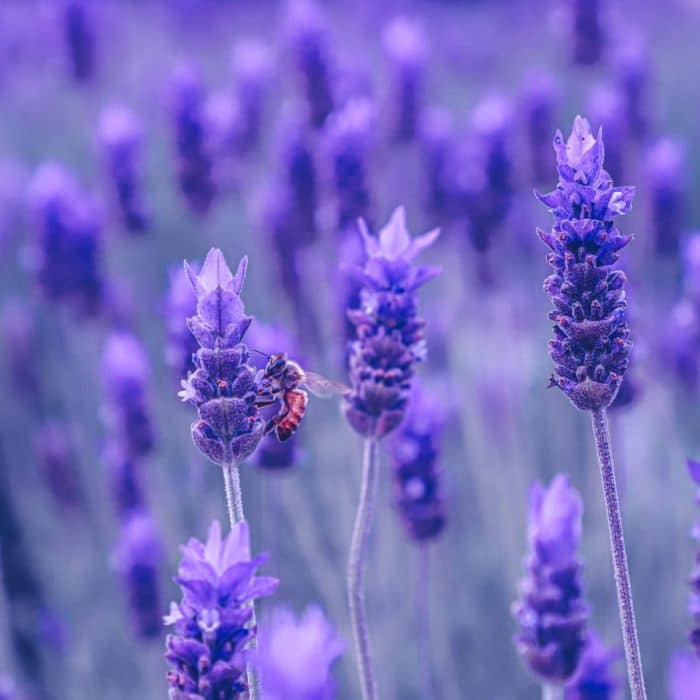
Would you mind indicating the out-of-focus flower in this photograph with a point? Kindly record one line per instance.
(223, 386)
(309, 43)
(193, 140)
(436, 140)
(138, 557)
(606, 111)
(180, 304)
(296, 655)
(538, 105)
(631, 70)
(8, 690)
(407, 50)
(587, 39)
(417, 474)
(388, 331)
(667, 180)
(552, 613)
(21, 342)
(124, 481)
(121, 139)
(596, 678)
(348, 139)
(126, 376)
(57, 460)
(591, 345)
(691, 268)
(684, 677)
(219, 584)
(694, 601)
(67, 250)
(79, 33)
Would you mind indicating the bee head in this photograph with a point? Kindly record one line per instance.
(276, 363)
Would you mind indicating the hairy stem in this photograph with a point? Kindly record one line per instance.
(552, 692)
(358, 547)
(234, 506)
(617, 545)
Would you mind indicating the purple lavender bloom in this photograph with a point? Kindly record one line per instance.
(632, 77)
(296, 655)
(223, 386)
(388, 331)
(348, 135)
(126, 375)
(138, 557)
(681, 342)
(8, 689)
(78, 27)
(67, 250)
(667, 180)
(596, 678)
(406, 47)
(193, 141)
(538, 105)
(606, 111)
(308, 40)
(684, 677)
(417, 475)
(57, 460)
(588, 38)
(180, 304)
(552, 612)
(121, 140)
(124, 481)
(694, 601)
(252, 70)
(219, 585)
(591, 343)
(436, 140)
(21, 342)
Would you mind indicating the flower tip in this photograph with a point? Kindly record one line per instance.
(694, 470)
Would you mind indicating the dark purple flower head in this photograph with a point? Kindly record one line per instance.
(407, 50)
(126, 374)
(79, 32)
(668, 192)
(415, 450)
(694, 601)
(388, 331)
(121, 140)
(681, 342)
(591, 345)
(596, 678)
(588, 39)
(211, 623)
(192, 137)
(348, 134)
(180, 304)
(539, 101)
(309, 43)
(296, 655)
(632, 72)
(57, 460)
(124, 480)
(552, 613)
(436, 138)
(684, 677)
(67, 249)
(223, 385)
(606, 111)
(138, 557)
(21, 342)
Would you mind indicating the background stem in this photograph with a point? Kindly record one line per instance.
(358, 546)
(552, 692)
(617, 545)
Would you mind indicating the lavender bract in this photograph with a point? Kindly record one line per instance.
(296, 655)
(591, 345)
(596, 678)
(223, 386)
(552, 613)
(389, 333)
(211, 623)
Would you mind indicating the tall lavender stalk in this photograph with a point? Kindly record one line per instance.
(591, 345)
(389, 341)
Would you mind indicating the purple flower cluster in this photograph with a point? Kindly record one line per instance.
(415, 451)
(595, 678)
(389, 333)
(219, 584)
(591, 344)
(552, 612)
(79, 32)
(296, 655)
(223, 386)
(57, 461)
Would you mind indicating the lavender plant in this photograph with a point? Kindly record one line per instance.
(596, 678)
(552, 612)
(684, 677)
(297, 654)
(694, 601)
(389, 342)
(591, 345)
(215, 622)
(79, 34)
(587, 39)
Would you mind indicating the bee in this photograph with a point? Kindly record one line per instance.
(285, 381)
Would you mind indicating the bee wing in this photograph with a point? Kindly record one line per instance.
(324, 388)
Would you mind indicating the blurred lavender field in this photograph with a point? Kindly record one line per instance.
(156, 130)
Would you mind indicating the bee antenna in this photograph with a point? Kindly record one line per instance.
(259, 353)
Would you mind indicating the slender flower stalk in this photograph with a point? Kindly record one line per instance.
(552, 692)
(389, 342)
(592, 345)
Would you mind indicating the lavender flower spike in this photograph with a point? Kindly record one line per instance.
(684, 677)
(694, 601)
(591, 345)
(214, 621)
(296, 655)
(595, 678)
(552, 612)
